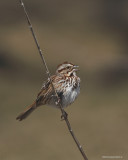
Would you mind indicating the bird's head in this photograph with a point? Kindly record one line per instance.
(67, 69)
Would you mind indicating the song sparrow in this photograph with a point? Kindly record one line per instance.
(66, 84)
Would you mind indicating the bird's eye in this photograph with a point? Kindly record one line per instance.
(68, 67)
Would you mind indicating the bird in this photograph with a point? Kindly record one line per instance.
(66, 84)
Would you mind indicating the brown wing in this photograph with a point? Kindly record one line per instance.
(47, 92)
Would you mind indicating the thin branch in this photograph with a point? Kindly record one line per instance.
(49, 76)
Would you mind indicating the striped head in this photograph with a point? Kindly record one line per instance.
(67, 69)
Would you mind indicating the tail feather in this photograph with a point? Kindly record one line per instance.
(26, 113)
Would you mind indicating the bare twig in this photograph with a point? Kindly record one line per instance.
(49, 76)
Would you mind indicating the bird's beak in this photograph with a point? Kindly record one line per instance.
(76, 68)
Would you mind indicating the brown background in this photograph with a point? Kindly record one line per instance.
(92, 34)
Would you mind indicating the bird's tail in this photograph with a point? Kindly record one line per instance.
(26, 113)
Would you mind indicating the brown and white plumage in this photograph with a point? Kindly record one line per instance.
(67, 86)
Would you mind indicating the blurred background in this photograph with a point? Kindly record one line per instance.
(92, 34)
